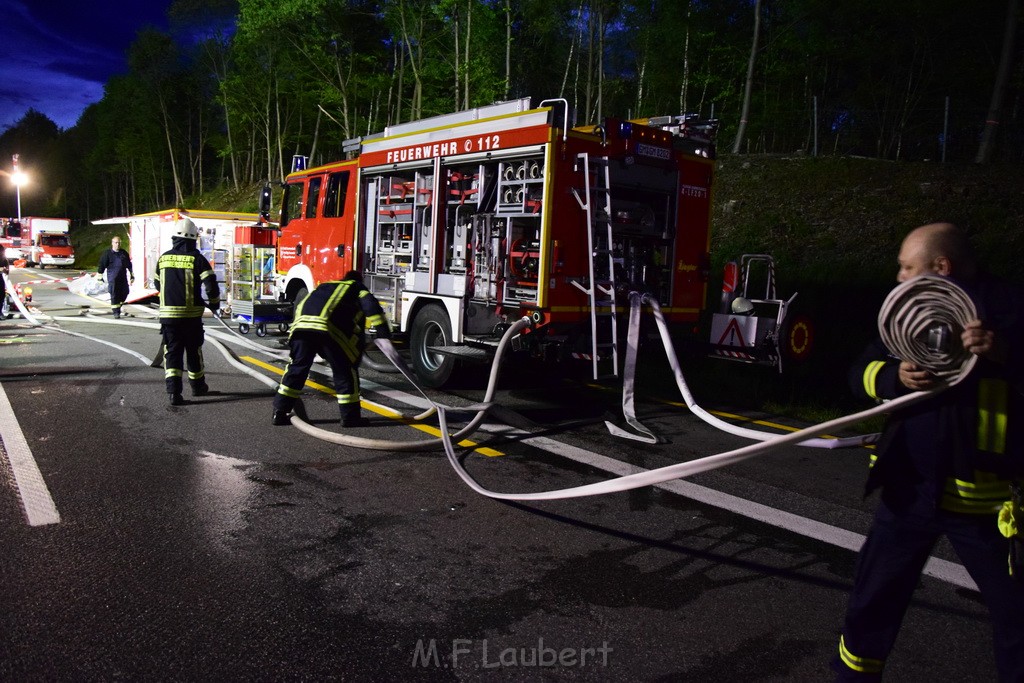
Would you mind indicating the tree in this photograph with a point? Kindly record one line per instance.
(154, 58)
(745, 110)
(995, 108)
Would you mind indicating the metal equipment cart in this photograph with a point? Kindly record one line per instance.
(253, 303)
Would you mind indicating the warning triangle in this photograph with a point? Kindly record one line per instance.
(733, 332)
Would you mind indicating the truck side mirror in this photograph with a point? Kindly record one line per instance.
(265, 202)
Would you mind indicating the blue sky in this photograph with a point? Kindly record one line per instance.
(56, 55)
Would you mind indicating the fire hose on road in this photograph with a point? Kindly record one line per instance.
(910, 312)
(912, 315)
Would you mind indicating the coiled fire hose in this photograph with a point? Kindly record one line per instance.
(910, 312)
(921, 321)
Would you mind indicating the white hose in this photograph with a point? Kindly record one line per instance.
(648, 437)
(19, 304)
(910, 301)
(904, 295)
(918, 306)
(446, 439)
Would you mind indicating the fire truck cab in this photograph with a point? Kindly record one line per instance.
(464, 223)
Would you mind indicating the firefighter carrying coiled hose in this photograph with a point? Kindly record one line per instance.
(945, 464)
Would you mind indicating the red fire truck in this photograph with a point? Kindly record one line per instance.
(39, 241)
(466, 222)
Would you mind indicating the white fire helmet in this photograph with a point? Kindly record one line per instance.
(184, 227)
(742, 306)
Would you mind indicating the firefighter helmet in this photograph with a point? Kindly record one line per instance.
(184, 227)
(742, 306)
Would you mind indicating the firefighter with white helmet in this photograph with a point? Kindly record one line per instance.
(181, 274)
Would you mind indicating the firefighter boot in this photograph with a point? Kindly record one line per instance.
(281, 417)
(176, 399)
(200, 387)
(350, 416)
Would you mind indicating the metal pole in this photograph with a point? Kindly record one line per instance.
(16, 177)
(945, 129)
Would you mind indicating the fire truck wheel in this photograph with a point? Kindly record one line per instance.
(797, 339)
(431, 328)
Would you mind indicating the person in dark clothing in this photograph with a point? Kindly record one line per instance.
(118, 265)
(181, 273)
(330, 322)
(5, 269)
(944, 466)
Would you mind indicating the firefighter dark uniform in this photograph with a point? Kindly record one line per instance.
(118, 266)
(944, 466)
(5, 267)
(180, 275)
(330, 322)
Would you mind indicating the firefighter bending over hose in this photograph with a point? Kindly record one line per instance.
(181, 273)
(944, 467)
(330, 322)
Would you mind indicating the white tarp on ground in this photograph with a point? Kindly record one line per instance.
(94, 286)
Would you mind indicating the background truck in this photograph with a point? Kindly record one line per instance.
(45, 242)
(466, 222)
(10, 238)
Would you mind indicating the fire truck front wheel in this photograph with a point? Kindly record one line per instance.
(431, 327)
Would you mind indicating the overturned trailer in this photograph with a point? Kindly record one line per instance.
(219, 231)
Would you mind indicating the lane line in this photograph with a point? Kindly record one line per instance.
(943, 570)
(35, 497)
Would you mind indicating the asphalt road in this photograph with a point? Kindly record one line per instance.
(200, 542)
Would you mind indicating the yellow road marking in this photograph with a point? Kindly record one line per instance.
(380, 410)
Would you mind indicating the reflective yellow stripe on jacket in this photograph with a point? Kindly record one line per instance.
(985, 495)
(320, 321)
(992, 415)
(182, 308)
(871, 377)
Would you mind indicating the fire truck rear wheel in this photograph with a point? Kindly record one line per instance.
(431, 327)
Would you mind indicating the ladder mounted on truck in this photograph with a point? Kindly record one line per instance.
(600, 290)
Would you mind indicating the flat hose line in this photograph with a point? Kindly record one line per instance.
(646, 435)
(909, 311)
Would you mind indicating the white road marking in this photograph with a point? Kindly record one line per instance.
(944, 570)
(35, 497)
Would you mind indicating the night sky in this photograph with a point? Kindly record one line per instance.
(56, 55)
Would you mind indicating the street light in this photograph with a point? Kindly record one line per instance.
(19, 179)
